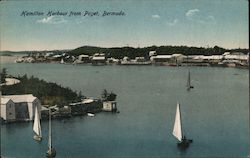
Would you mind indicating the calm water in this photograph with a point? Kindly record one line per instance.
(215, 113)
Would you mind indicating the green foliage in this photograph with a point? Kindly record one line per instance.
(48, 93)
(108, 96)
(3, 75)
(131, 52)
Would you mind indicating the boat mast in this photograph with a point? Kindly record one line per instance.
(188, 81)
(180, 120)
(50, 131)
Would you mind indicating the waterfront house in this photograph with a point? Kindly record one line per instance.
(136, 61)
(194, 59)
(177, 58)
(113, 61)
(24, 106)
(109, 106)
(161, 58)
(29, 60)
(86, 105)
(212, 58)
(8, 110)
(140, 59)
(98, 59)
(152, 53)
(83, 58)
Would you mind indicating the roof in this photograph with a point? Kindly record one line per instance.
(98, 58)
(240, 57)
(11, 81)
(21, 98)
(163, 56)
(57, 56)
(5, 100)
(213, 57)
(83, 55)
(86, 101)
(177, 55)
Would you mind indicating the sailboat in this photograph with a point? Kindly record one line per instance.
(37, 126)
(189, 86)
(51, 153)
(178, 132)
(62, 61)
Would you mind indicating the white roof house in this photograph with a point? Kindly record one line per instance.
(236, 57)
(21, 98)
(152, 53)
(98, 58)
(7, 109)
(160, 57)
(178, 55)
(25, 100)
(87, 101)
(11, 81)
(83, 56)
(212, 57)
(163, 56)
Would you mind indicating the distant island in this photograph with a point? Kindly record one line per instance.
(157, 55)
(131, 52)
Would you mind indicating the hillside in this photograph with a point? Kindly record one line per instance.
(120, 52)
(49, 93)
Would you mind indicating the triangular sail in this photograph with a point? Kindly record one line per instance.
(177, 131)
(37, 125)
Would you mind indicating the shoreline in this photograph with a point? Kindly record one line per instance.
(151, 64)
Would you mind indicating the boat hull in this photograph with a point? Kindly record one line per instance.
(37, 138)
(184, 144)
(51, 153)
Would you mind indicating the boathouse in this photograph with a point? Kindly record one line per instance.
(24, 106)
(109, 106)
(8, 110)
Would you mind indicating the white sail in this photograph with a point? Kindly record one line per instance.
(177, 131)
(62, 61)
(37, 125)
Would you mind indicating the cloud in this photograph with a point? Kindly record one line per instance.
(210, 17)
(192, 12)
(196, 15)
(173, 22)
(156, 16)
(52, 20)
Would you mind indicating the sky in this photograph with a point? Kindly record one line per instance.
(199, 23)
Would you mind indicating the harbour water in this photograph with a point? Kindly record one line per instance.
(215, 113)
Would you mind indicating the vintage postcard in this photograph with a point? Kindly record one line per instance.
(124, 79)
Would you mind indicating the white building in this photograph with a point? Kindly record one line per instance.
(24, 106)
(152, 53)
(98, 59)
(109, 106)
(8, 109)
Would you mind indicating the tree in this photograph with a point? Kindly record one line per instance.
(111, 97)
(3, 75)
(108, 96)
(104, 94)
